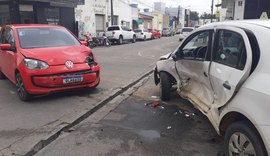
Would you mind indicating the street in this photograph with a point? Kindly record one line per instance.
(24, 124)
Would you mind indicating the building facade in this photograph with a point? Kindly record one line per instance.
(157, 20)
(95, 16)
(147, 21)
(245, 9)
(57, 12)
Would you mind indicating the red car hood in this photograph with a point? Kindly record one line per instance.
(58, 55)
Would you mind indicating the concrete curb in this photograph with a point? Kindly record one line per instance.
(43, 143)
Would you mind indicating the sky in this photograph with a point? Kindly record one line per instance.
(200, 6)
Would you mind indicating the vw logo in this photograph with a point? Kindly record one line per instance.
(69, 64)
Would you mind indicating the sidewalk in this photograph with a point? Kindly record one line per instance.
(134, 125)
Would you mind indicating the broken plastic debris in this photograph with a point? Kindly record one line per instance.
(175, 113)
(154, 104)
(169, 127)
(161, 107)
(187, 115)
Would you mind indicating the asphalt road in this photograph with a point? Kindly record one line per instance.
(25, 123)
(129, 127)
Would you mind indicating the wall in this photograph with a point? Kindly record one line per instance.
(123, 11)
(85, 15)
(239, 9)
(157, 20)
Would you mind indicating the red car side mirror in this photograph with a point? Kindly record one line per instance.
(5, 46)
(84, 43)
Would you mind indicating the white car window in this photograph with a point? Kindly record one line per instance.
(196, 48)
(231, 49)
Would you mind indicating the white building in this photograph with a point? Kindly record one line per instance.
(95, 16)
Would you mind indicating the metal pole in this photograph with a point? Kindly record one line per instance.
(111, 12)
(212, 9)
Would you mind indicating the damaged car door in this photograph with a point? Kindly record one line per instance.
(193, 64)
(231, 65)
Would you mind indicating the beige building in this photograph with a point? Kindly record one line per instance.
(166, 21)
(157, 20)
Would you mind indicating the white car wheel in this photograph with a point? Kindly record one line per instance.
(242, 139)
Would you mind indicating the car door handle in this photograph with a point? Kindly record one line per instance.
(204, 73)
(227, 85)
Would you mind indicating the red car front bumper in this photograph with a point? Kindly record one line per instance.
(58, 78)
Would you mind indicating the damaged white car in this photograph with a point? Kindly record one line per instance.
(223, 69)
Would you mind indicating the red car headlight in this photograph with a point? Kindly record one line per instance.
(33, 64)
(90, 60)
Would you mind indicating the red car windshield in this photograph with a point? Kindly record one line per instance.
(46, 37)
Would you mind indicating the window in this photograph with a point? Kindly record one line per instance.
(113, 28)
(196, 48)
(52, 16)
(125, 28)
(240, 3)
(231, 49)
(45, 37)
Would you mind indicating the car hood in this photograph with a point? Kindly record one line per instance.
(59, 55)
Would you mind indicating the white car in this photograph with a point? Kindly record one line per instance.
(143, 34)
(223, 70)
(185, 31)
(119, 34)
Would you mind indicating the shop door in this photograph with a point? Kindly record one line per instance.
(100, 23)
(26, 14)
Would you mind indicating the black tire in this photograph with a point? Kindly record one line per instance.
(248, 134)
(152, 37)
(107, 43)
(165, 86)
(22, 92)
(120, 40)
(144, 38)
(133, 39)
(2, 76)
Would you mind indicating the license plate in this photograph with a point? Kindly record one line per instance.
(72, 79)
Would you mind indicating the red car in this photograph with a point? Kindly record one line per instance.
(155, 33)
(42, 59)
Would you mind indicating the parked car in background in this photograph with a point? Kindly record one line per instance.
(155, 33)
(143, 34)
(178, 31)
(223, 70)
(185, 31)
(167, 32)
(42, 59)
(119, 34)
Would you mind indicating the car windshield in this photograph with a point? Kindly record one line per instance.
(46, 37)
(187, 29)
(137, 30)
(113, 28)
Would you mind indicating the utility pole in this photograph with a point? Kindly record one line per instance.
(212, 10)
(111, 12)
(178, 16)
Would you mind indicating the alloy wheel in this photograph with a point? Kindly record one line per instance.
(240, 145)
(22, 93)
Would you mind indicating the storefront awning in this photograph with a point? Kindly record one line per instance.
(137, 22)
